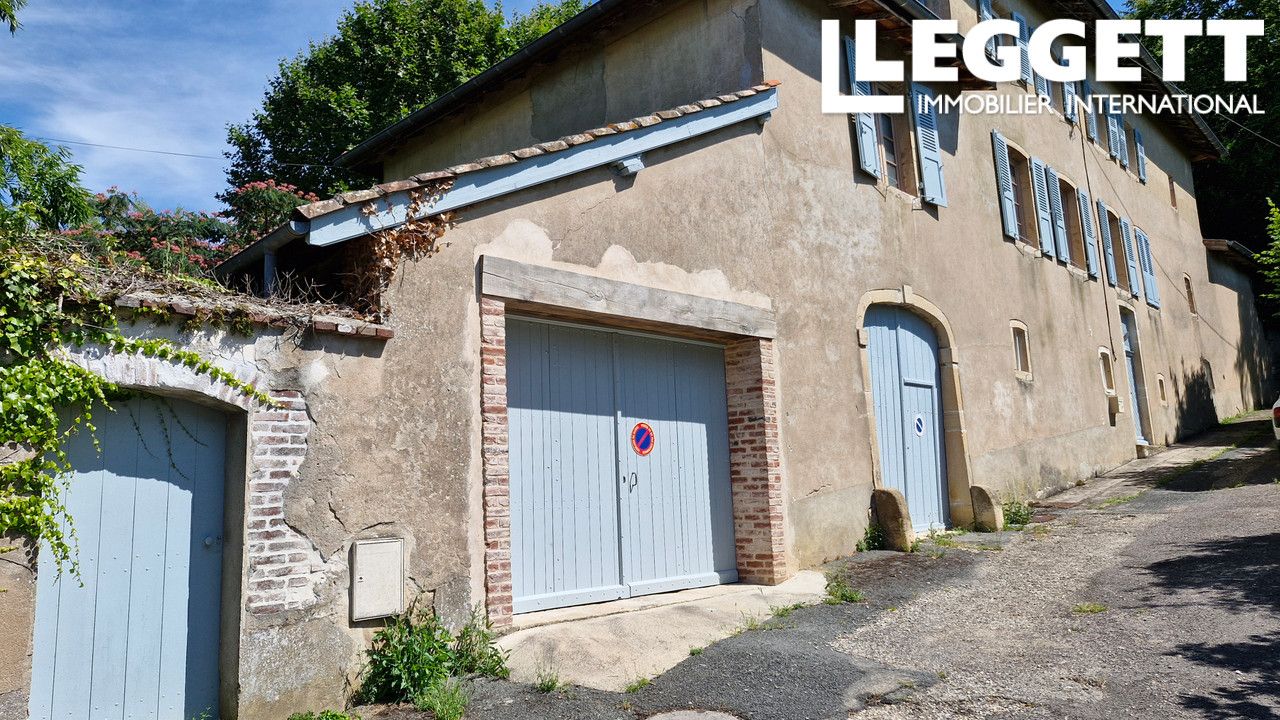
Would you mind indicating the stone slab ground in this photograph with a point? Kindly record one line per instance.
(1153, 592)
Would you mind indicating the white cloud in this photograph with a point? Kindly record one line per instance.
(165, 76)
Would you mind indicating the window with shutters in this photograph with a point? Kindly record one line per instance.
(1130, 147)
(1075, 229)
(1023, 197)
(897, 162)
(1117, 250)
(1021, 350)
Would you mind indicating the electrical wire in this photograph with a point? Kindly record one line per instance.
(165, 152)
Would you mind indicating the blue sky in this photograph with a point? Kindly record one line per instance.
(165, 75)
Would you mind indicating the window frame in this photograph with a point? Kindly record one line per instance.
(1075, 224)
(1021, 338)
(1190, 292)
(1024, 202)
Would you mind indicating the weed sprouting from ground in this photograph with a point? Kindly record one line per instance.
(637, 684)
(782, 611)
(547, 681)
(1017, 514)
(839, 592)
(1089, 608)
(695, 651)
(446, 701)
(1117, 501)
(872, 539)
(322, 715)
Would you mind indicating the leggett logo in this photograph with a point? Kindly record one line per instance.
(989, 58)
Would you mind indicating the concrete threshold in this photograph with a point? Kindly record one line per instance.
(611, 645)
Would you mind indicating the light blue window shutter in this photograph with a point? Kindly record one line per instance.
(1108, 251)
(1044, 219)
(1024, 37)
(932, 188)
(1130, 259)
(1004, 183)
(1148, 267)
(1069, 101)
(986, 13)
(864, 124)
(1086, 231)
(1113, 139)
(1124, 141)
(1142, 155)
(1042, 83)
(1058, 214)
(1090, 116)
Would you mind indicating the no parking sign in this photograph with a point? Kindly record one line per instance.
(642, 439)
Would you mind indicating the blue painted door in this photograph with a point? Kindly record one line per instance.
(136, 635)
(677, 516)
(1136, 390)
(592, 519)
(906, 390)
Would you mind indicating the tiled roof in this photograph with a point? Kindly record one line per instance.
(324, 207)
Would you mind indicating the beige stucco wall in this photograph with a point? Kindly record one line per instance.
(774, 215)
(788, 198)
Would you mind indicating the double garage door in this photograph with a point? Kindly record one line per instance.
(619, 458)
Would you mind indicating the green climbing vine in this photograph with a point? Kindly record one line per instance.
(52, 299)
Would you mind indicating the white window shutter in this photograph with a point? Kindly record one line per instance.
(1113, 139)
(1044, 219)
(1142, 155)
(864, 124)
(1124, 141)
(1004, 183)
(932, 188)
(1090, 238)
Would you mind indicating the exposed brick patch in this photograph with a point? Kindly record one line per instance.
(496, 468)
(755, 465)
(279, 559)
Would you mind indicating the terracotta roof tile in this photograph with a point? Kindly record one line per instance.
(526, 153)
(497, 160)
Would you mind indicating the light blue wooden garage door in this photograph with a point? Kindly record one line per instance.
(906, 388)
(136, 636)
(619, 458)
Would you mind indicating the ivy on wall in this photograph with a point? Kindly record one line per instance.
(50, 301)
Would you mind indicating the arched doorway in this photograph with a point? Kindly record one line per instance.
(906, 390)
(137, 633)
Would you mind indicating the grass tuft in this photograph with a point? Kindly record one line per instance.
(637, 684)
(695, 651)
(547, 681)
(1089, 608)
(839, 592)
(446, 701)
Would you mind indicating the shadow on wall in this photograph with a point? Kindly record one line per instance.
(1194, 401)
(1236, 575)
(1254, 355)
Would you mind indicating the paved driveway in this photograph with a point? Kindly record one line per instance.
(1152, 593)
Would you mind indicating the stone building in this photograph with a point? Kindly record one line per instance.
(683, 325)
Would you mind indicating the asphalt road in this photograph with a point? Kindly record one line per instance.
(1154, 593)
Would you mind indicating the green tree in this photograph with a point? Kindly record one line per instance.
(388, 58)
(1269, 259)
(9, 14)
(1232, 193)
(39, 186)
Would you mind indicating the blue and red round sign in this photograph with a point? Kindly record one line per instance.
(642, 440)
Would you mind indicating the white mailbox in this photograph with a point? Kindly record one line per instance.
(377, 578)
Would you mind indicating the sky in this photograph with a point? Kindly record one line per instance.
(163, 75)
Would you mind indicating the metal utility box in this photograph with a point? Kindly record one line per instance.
(377, 578)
